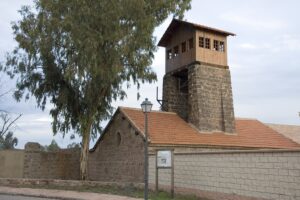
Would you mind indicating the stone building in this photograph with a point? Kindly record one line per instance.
(215, 154)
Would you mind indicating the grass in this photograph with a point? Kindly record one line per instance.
(129, 191)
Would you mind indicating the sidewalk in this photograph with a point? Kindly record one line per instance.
(61, 194)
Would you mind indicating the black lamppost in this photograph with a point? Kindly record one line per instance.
(146, 107)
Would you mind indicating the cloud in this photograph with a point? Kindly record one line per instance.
(248, 46)
(290, 42)
(253, 22)
(279, 44)
(43, 119)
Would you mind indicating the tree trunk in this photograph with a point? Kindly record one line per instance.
(85, 153)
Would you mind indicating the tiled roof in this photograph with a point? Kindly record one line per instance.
(289, 131)
(167, 128)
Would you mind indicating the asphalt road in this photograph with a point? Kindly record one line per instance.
(14, 197)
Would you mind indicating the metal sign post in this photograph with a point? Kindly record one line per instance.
(165, 160)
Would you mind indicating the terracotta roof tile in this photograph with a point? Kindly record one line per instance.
(289, 131)
(166, 128)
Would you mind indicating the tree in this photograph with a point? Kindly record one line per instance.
(73, 145)
(76, 54)
(53, 146)
(7, 140)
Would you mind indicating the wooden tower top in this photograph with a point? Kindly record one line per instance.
(187, 43)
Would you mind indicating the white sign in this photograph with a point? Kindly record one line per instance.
(164, 158)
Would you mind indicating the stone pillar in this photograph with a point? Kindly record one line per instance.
(32, 154)
(210, 104)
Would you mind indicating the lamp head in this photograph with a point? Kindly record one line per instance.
(146, 106)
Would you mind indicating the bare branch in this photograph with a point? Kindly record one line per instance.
(8, 123)
(5, 120)
(5, 93)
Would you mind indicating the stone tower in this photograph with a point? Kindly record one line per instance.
(197, 83)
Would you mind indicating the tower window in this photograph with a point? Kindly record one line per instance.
(201, 42)
(176, 51)
(169, 54)
(183, 47)
(207, 43)
(216, 45)
(222, 46)
(191, 43)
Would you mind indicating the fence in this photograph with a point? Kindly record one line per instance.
(269, 174)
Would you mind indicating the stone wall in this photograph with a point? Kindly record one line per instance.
(210, 104)
(206, 102)
(261, 174)
(119, 155)
(11, 163)
(174, 100)
(62, 164)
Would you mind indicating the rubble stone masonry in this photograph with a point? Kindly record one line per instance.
(210, 104)
(119, 157)
(175, 101)
(62, 164)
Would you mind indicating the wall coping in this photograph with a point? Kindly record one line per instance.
(236, 151)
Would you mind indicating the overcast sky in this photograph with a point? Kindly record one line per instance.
(264, 60)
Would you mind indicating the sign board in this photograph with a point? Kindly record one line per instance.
(164, 158)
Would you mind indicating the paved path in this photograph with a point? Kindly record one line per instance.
(14, 197)
(61, 194)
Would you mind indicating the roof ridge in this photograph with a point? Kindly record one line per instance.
(139, 109)
(246, 118)
(282, 124)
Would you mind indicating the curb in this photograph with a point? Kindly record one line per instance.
(38, 196)
(60, 194)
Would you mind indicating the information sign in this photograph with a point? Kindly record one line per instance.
(164, 158)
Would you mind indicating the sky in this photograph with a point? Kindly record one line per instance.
(264, 60)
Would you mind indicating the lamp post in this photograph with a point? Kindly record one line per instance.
(146, 108)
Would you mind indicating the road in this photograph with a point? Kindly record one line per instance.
(14, 197)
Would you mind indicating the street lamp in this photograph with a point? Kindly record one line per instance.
(146, 108)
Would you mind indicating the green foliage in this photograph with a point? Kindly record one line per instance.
(53, 146)
(73, 145)
(8, 141)
(76, 54)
